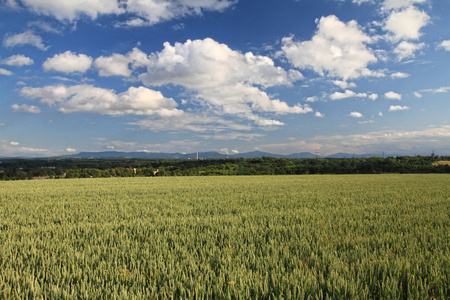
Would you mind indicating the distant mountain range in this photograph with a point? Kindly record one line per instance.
(206, 155)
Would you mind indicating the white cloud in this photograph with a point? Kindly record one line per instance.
(189, 122)
(362, 1)
(8, 148)
(393, 96)
(406, 24)
(373, 97)
(355, 114)
(312, 99)
(407, 50)
(115, 65)
(445, 45)
(397, 108)
(442, 89)
(73, 9)
(90, 99)
(418, 95)
(44, 26)
(141, 12)
(366, 122)
(24, 38)
(291, 147)
(319, 114)
(347, 94)
(122, 65)
(344, 84)
(154, 11)
(5, 72)
(70, 150)
(391, 141)
(18, 60)
(228, 152)
(399, 75)
(228, 136)
(68, 62)
(179, 26)
(138, 58)
(399, 4)
(26, 108)
(337, 48)
(12, 4)
(223, 79)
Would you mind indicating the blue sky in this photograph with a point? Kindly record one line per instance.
(354, 76)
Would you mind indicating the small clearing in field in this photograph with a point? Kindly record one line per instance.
(442, 162)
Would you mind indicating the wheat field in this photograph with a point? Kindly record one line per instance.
(241, 237)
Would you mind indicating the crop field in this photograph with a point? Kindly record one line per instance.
(231, 237)
(442, 162)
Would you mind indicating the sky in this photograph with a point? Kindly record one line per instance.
(233, 76)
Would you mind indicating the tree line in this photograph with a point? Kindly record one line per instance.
(22, 169)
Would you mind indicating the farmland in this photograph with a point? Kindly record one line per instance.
(336, 236)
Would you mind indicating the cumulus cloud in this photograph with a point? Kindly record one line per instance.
(445, 45)
(355, 114)
(393, 96)
(406, 23)
(68, 62)
(226, 80)
(312, 99)
(373, 97)
(319, 114)
(418, 95)
(115, 65)
(26, 108)
(90, 99)
(5, 72)
(140, 12)
(338, 49)
(24, 38)
(347, 94)
(18, 60)
(397, 108)
(407, 50)
(122, 65)
(344, 84)
(227, 152)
